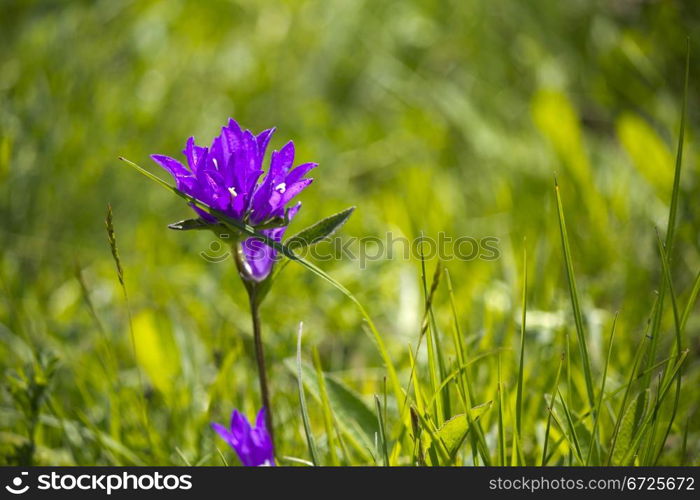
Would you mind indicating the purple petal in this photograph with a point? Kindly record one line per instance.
(230, 140)
(234, 126)
(216, 155)
(291, 213)
(261, 419)
(196, 155)
(224, 433)
(263, 139)
(239, 424)
(282, 162)
(246, 163)
(173, 166)
(252, 445)
(299, 172)
(184, 180)
(213, 192)
(261, 203)
(280, 197)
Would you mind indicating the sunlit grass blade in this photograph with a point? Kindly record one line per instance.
(679, 343)
(417, 389)
(501, 422)
(598, 410)
(433, 362)
(327, 410)
(465, 380)
(623, 404)
(565, 436)
(521, 367)
(672, 293)
(572, 429)
(573, 291)
(382, 434)
(555, 390)
(666, 250)
(302, 402)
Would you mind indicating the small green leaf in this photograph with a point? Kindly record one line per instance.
(320, 230)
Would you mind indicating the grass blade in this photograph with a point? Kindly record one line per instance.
(671, 226)
(623, 405)
(691, 302)
(573, 291)
(302, 402)
(599, 409)
(555, 390)
(501, 423)
(382, 433)
(521, 368)
(465, 381)
(327, 410)
(572, 428)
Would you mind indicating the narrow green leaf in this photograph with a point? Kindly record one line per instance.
(501, 416)
(319, 231)
(573, 436)
(465, 379)
(670, 228)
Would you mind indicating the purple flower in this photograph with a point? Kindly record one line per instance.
(226, 177)
(252, 444)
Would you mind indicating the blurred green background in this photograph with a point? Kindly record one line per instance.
(428, 116)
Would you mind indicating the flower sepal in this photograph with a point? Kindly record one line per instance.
(222, 231)
(190, 224)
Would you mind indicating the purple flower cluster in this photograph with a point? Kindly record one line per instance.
(252, 444)
(226, 177)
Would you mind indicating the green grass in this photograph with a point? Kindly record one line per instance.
(577, 345)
